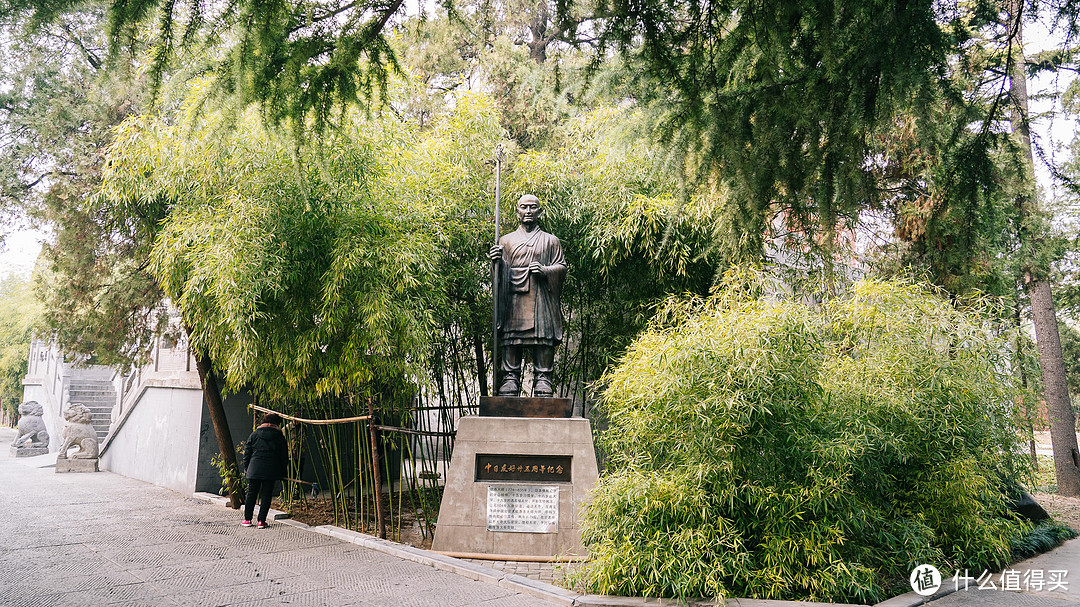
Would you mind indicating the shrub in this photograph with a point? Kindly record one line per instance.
(769, 448)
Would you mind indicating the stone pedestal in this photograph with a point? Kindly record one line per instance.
(525, 406)
(64, 464)
(27, 451)
(534, 475)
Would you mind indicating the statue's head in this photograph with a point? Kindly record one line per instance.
(77, 413)
(31, 407)
(528, 209)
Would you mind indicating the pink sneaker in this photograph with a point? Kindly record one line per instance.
(246, 523)
(262, 525)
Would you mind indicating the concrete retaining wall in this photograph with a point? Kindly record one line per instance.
(240, 425)
(159, 442)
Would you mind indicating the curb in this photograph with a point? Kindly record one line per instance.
(913, 599)
(538, 589)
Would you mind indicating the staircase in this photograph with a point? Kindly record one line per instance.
(99, 396)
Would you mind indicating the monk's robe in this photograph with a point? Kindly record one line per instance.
(529, 311)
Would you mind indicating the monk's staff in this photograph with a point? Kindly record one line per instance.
(495, 272)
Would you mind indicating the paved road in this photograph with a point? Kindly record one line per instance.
(1064, 592)
(103, 539)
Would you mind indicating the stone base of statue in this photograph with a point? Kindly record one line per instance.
(70, 464)
(515, 487)
(517, 406)
(27, 451)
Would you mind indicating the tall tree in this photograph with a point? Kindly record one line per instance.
(62, 98)
(783, 103)
(1036, 270)
(65, 96)
(18, 314)
(298, 59)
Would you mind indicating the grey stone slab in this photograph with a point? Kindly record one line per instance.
(316, 598)
(770, 603)
(103, 539)
(998, 598)
(540, 590)
(601, 600)
(253, 591)
(110, 579)
(76, 465)
(473, 571)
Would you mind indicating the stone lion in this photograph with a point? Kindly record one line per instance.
(32, 432)
(78, 433)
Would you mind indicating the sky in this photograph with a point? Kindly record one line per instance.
(20, 250)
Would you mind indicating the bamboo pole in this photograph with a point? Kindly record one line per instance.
(317, 422)
(496, 267)
(375, 472)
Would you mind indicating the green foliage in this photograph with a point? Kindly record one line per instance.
(525, 58)
(297, 59)
(57, 103)
(61, 99)
(1044, 537)
(782, 102)
(763, 447)
(19, 311)
(289, 266)
(229, 473)
(628, 239)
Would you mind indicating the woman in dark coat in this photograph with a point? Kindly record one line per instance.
(266, 458)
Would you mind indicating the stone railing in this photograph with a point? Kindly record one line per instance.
(47, 382)
(171, 366)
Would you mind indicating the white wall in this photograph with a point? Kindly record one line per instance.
(159, 442)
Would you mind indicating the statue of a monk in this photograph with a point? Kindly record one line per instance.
(530, 279)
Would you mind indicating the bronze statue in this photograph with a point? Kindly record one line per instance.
(529, 281)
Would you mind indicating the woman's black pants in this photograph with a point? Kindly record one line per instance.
(262, 488)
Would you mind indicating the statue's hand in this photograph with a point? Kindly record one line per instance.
(496, 252)
(536, 268)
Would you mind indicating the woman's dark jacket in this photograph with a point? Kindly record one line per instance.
(266, 455)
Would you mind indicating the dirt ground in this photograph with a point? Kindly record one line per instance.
(321, 512)
(1063, 509)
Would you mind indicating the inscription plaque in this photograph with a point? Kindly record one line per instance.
(529, 468)
(523, 508)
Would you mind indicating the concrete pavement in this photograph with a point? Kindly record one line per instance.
(104, 539)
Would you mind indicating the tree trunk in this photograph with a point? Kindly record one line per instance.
(212, 395)
(1055, 388)
(1047, 339)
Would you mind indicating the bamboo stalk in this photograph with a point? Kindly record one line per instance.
(375, 464)
(316, 422)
